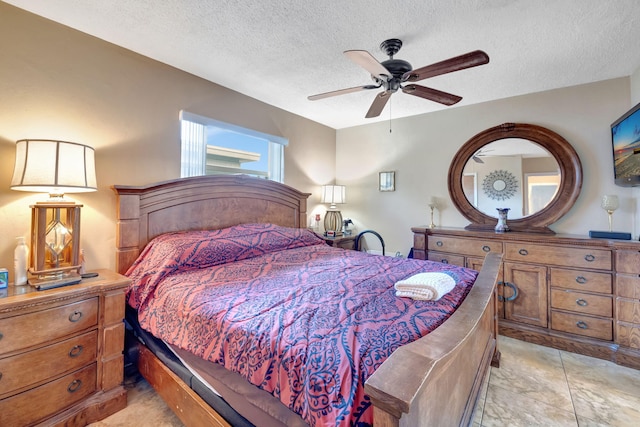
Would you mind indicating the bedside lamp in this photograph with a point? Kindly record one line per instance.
(333, 194)
(54, 167)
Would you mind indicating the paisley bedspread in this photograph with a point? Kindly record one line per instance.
(306, 322)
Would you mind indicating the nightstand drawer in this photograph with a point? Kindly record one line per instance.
(31, 329)
(581, 280)
(473, 247)
(598, 259)
(446, 258)
(579, 302)
(582, 325)
(40, 402)
(18, 371)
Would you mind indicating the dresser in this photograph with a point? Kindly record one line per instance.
(569, 292)
(61, 352)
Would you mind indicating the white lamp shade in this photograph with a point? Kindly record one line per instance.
(56, 167)
(333, 194)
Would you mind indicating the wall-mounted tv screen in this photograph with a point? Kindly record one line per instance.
(625, 136)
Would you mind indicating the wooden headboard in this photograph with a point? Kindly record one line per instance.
(200, 203)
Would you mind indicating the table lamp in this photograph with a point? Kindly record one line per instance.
(333, 194)
(54, 167)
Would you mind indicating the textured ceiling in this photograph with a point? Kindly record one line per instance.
(282, 51)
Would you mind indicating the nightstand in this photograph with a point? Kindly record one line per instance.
(61, 352)
(344, 242)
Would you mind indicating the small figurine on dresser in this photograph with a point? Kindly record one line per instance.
(502, 226)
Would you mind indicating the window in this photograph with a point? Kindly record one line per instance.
(211, 147)
(541, 188)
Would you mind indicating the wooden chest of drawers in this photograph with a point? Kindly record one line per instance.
(576, 294)
(61, 360)
(628, 298)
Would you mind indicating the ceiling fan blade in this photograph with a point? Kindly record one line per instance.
(378, 104)
(432, 94)
(468, 60)
(341, 92)
(368, 62)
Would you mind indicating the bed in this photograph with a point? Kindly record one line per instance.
(433, 380)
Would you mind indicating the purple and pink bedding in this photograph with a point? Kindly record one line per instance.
(304, 321)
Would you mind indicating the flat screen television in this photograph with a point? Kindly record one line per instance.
(625, 137)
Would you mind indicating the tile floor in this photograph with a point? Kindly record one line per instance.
(534, 386)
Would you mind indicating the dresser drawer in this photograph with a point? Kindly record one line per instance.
(629, 335)
(473, 247)
(598, 259)
(580, 302)
(628, 310)
(31, 329)
(628, 286)
(18, 371)
(446, 258)
(38, 403)
(582, 325)
(628, 262)
(581, 280)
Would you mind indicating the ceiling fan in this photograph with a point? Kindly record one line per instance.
(480, 153)
(390, 75)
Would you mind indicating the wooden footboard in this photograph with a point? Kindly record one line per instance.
(436, 380)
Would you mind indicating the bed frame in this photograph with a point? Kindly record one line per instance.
(434, 381)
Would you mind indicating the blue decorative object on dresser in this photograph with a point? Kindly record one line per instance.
(610, 235)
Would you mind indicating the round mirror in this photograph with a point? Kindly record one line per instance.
(530, 170)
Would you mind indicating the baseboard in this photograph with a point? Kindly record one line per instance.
(610, 235)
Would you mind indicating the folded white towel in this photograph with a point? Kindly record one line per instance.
(425, 286)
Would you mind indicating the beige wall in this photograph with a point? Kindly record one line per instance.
(58, 83)
(635, 99)
(420, 149)
(635, 87)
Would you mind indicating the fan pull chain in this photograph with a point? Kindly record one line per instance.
(389, 116)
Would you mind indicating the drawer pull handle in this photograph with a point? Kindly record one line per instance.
(1, 335)
(589, 258)
(523, 252)
(582, 302)
(444, 261)
(74, 386)
(486, 248)
(439, 243)
(582, 325)
(581, 279)
(76, 351)
(513, 287)
(75, 316)
(0, 375)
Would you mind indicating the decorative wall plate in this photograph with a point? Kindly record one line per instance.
(500, 185)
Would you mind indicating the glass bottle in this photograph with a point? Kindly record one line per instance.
(20, 255)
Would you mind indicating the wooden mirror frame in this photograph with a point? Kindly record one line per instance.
(568, 191)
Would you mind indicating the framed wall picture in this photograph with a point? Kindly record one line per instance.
(387, 181)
